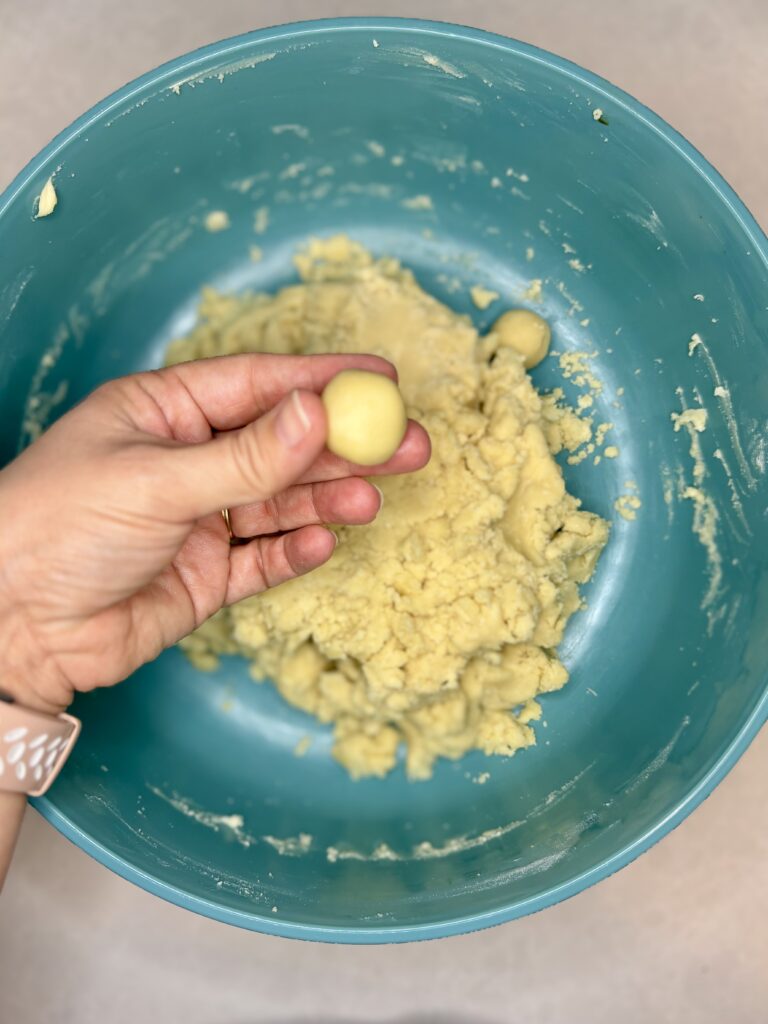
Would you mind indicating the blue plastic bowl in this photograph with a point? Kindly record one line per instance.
(331, 126)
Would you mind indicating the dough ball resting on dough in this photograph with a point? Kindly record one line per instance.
(366, 416)
(525, 332)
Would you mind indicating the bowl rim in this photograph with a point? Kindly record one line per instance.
(227, 50)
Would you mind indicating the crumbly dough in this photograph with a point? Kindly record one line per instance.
(437, 625)
(366, 417)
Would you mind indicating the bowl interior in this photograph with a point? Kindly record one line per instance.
(187, 782)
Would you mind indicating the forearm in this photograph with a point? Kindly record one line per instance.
(12, 807)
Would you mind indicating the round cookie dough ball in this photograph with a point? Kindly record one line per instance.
(366, 416)
(525, 332)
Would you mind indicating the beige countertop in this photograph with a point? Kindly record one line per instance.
(678, 937)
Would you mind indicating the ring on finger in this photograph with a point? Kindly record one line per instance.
(227, 517)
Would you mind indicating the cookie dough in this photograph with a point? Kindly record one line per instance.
(366, 417)
(436, 627)
(216, 220)
(47, 200)
(525, 332)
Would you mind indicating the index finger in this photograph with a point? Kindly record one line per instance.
(232, 391)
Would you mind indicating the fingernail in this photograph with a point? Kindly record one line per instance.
(292, 423)
(381, 496)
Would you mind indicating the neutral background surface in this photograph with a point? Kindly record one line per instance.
(679, 936)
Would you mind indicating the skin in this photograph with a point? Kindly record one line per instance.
(114, 546)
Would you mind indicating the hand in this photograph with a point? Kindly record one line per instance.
(113, 546)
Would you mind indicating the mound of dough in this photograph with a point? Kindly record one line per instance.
(437, 625)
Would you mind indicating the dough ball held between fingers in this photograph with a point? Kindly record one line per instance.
(366, 417)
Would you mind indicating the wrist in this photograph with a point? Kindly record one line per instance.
(27, 676)
(11, 812)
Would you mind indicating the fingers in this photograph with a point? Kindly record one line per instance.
(248, 465)
(232, 391)
(351, 502)
(414, 453)
(282, 448)
(268, 561)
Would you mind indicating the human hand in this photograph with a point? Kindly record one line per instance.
(113, 546)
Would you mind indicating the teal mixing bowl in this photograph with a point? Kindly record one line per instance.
(187, 783)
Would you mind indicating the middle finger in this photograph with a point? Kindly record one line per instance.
(349, 502)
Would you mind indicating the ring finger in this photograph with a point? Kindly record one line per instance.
(348, 502)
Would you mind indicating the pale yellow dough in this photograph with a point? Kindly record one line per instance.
(47, 199)
(366, 417)
(526, 332)
(436, 626)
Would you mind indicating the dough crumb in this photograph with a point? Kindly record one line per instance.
(598, 438)
(696, 418)
(627, 505)
(694, 343)
(533, 291)
(417, 203)
(216, 220)
(436, 627)
(47, 200)
(302, 747)
(483, 297)
(261, 220)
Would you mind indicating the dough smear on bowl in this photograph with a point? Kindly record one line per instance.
(435, 627)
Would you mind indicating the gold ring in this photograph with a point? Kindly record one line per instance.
(225, 515)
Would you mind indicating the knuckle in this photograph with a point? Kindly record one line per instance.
(315, 498)
(271, 512)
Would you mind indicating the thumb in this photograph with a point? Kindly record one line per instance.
(251, 464)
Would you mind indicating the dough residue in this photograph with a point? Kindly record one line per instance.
(627, 506)
(216, 220)
(420, 202)
(47, 200)
(706, 518)
(483, 297)
(261, 220)
(436, 627)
